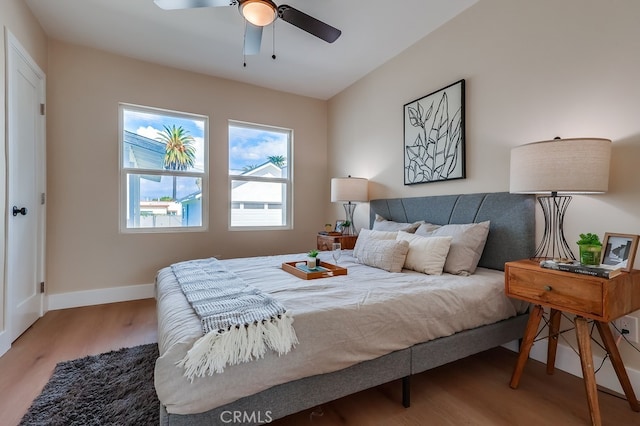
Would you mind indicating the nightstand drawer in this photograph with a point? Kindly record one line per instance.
(324, 242)
(575, 294)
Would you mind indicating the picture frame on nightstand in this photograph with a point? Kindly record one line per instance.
(619, 250)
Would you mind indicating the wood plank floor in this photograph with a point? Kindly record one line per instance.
(472, 391)
(68, 334)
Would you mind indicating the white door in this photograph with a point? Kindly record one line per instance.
(25, 188)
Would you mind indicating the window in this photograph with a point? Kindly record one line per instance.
(259, 176)
(163, 173)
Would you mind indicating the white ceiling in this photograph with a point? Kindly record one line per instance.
(210, 40)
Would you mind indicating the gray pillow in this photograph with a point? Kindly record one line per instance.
(382, 224)
(426, 228)
(466, 246)
(384, 254)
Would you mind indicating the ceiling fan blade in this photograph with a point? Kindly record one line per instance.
(190, 4)
(252, 39)
(308, 23)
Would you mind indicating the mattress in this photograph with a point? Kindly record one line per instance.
(340, 321)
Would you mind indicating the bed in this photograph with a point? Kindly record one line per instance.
(354, 335)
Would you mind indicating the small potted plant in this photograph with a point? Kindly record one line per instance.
(590, 249)
(312, 259)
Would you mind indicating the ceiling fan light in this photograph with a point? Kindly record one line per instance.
(258, 12)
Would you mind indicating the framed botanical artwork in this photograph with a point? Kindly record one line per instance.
(619, 250)
(434, 136)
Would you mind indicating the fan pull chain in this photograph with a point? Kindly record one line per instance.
(273, 56)
(244, 43)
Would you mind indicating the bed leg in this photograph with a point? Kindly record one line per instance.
(406, 392)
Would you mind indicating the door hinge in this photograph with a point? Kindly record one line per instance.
(42, 287)
(42, 109)
(42, 198)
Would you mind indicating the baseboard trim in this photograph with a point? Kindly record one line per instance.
(513, 345)
(567, 360)
(5, 342)
(101, 296)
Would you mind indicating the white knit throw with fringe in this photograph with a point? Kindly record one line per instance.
(239, 322)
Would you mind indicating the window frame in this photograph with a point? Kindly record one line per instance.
(286, 181)
(126, 171)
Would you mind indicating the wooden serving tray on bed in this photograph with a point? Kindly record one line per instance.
(328, 270)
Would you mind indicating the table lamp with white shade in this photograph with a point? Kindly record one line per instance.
(349, 190)
(559, 167)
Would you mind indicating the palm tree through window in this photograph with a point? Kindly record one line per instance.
(163, 170)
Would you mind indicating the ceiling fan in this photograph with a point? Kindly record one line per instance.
(258, 14)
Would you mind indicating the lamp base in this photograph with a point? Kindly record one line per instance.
(553, 244)
(349, 208)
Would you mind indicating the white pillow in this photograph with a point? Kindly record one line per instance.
(366, 234)
(382, 224)
(426, 254)
(466, 246)
(384, 254)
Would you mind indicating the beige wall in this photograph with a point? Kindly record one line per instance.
(16, 18)
(534, 70)
(85, 249)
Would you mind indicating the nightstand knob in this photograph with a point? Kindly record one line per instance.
(548, 288)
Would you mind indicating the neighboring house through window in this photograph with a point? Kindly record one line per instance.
(163, 173)
(260, 182)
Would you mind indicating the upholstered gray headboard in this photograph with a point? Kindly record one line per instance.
(512, 216)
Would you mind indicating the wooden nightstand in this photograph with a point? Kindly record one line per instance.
(599, 299)
(348, 242)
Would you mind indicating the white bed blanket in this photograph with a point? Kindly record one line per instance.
(340, 321)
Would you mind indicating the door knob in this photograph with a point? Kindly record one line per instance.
(22, 211)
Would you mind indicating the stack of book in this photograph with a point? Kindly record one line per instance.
(603, 271)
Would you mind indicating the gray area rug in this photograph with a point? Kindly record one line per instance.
(113, 388)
